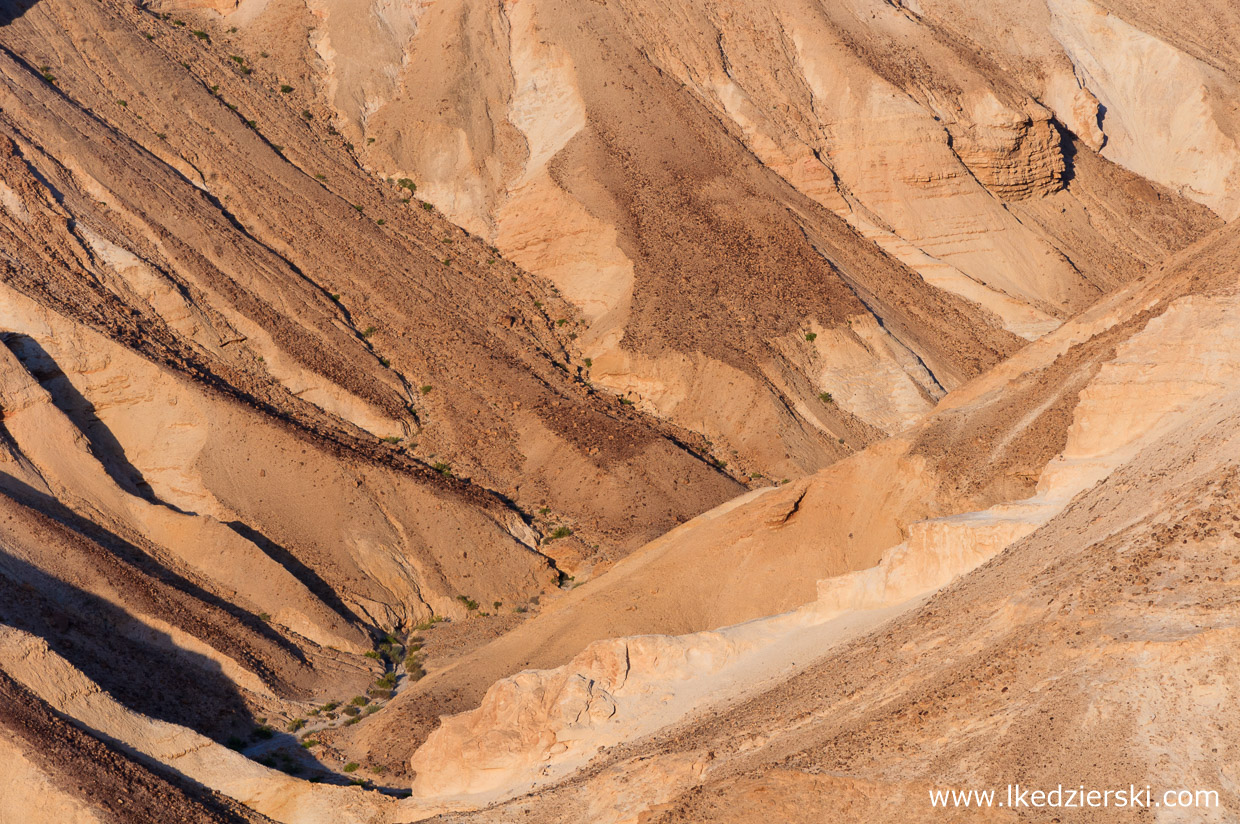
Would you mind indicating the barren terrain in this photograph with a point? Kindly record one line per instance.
(616, 411)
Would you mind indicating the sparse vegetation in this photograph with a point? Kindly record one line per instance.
(443, 469)
(351, 766)
(826, 397)
(360, 701)
(810, 336)
(388, 439)
(368, 331)
(200, 34)
(263, 732)
(264, 617)
(470, 603)
(413, 666)
(285, 88)
(425, 390)
(428, 207)
(296, 724)
(559, 532)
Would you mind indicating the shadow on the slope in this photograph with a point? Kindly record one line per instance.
(140, 667)
(66, 397)
(140, 560)
(10, 10)
(307, 576)
(111, 454)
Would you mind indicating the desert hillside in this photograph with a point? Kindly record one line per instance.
(616, 411)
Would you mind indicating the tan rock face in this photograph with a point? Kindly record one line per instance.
(790, 407)
(921, 155)
(520, 738)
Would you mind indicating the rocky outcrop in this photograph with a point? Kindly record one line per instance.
(1171, 371)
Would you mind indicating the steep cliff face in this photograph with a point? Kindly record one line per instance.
(649, 201)
(1147, 454)
(611, 411)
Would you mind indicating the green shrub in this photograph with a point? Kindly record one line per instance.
(330, 705)
(368, 331)
(296, 724)
(360, 701)
(470, 603)
(560, 532)
(310, 742)
(285, 88)
(826, 397)
(428, 207)
(809, 336)
(351, 766)
(263, 732)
